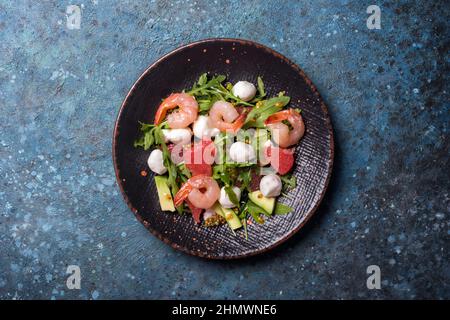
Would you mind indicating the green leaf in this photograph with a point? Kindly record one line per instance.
(261, 90)
(264, 109)
(289, 181)
(203, 79)
(206, 102)
(239, 164)
(281, 209)
(257, 208)
(232, 195)
(139, 142)
(244, 223)
(204, 105)
(183, 172)
(159, 136)
(223, 173)
(214, 89)
(217, 80)
(146, 126)
(147, 140)
(245, 179)
(256, 211)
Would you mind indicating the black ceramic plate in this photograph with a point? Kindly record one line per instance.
(238, 60)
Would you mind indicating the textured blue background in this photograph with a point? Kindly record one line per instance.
(388, 203)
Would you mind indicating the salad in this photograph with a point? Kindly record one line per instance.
(222, 152)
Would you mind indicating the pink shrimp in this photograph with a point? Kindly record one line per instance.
(281, 134)
(201, 190)
(184, 116)
(224, 116)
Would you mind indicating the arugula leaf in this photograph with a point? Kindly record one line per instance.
(244, 223)
(202, 85)
(239, 164)
(245, 178)
(147, 140)
(202, 80)
(204, 106)
(213, 88)
(207, 92)
(257, 208)
(255, 211)
(232, 195)
(289, 181)
(183, 172)
(205, 103)
(139, 142)
(261, 90)
(217, 80)
(281, 209)
(146, 126)
(224, 173)
(263, 110)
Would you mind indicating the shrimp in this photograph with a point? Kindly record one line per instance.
(224, 116)
(201, 191)
(281, 134)
(184, 116)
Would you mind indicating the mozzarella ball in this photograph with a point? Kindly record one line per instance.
(177, 136)
(244, 90)
(270, 186)
(156, 163)
(225, 201)
(242, 152)
(202, 129)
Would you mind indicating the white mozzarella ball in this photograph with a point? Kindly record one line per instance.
(156, 163)
(270, 186)
(200, 126)
(244, 90)
(202, 129)
(177, 136)
(242, 152)
(225, 201)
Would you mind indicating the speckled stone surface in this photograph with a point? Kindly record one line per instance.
(387, 205)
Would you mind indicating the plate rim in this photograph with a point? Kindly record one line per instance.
(306, 217)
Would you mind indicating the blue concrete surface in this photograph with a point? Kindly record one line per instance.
(388, 203)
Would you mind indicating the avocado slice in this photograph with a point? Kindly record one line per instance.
(229, 215)
(268, 204)
(165, 197)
